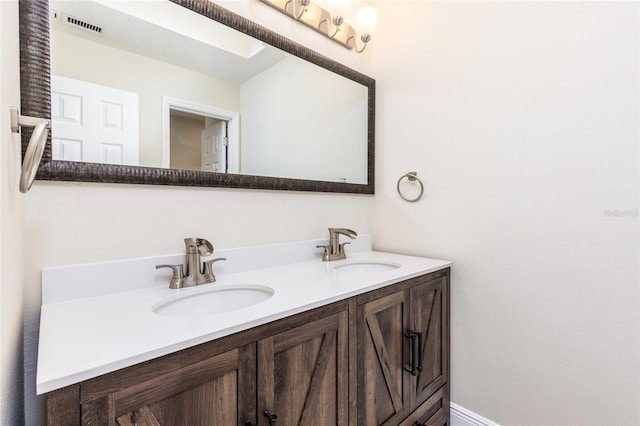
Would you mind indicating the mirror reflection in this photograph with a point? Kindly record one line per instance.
(161, 86)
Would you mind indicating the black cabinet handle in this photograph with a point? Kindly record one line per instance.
(270, 417)
(419, 351)
(412, 338)
(416, 352)
(249, 423)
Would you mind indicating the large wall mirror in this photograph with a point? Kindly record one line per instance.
(184, 92)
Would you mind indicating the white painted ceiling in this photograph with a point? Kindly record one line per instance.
(170, 33)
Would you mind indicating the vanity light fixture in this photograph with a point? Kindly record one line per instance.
(367, 19)
(302, 4)
(338, 9)
(331, 23)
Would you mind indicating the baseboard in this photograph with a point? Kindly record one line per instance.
(460, 416)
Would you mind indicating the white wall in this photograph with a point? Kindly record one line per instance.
(296, 101)
(85, 60)
(185, 135)
(521, 118)
(73, 222)
(11, 408)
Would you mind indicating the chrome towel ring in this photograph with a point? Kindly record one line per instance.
(412, 177)
(33, 153)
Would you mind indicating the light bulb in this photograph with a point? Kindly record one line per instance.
(367, 19)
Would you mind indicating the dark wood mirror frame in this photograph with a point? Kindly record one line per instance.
(35, 89)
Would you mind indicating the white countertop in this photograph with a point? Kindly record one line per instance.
(84, 337)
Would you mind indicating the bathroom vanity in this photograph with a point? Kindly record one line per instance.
(360, 341)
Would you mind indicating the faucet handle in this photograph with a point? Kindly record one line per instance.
(341, 247)
(325, 254)
(208, 266)
(177, 275)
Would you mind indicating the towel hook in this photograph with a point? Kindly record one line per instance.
(35, 148)
(411, 176)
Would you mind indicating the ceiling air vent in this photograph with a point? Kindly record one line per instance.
(79, 23)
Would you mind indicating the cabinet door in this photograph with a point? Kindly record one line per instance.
(303, 374)
(381, 380)
(433, 412)
(429, 320)
(209, 392)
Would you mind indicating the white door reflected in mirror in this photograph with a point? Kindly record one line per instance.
(214, 147)
(93, 123)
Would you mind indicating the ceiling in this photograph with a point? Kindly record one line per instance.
(167, 32)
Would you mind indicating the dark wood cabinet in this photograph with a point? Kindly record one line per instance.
(207, 384)
(303, 373)
(403, 346)
(432, 412)
(205, 392)
(429, 320)
(382, 393)
(356, 361)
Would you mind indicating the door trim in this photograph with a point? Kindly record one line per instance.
(231, 117)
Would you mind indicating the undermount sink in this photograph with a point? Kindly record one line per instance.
(214, 301)
(368, 265)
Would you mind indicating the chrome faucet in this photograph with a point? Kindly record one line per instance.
(194, 274)
(335, 250)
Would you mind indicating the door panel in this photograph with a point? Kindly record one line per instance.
(209, 392)
(213, 149)
(93, 123)
(303, 374)
(188, 407)
(429, 313)
(381, 325)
